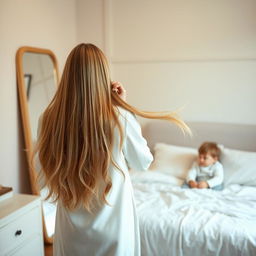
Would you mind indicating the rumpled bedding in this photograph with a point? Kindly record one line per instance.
(184, 222)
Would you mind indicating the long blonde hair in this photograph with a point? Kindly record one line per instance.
(76, 136)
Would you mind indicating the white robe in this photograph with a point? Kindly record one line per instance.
(114, 230)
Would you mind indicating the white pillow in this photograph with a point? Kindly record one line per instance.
(239, 167)
(174, 160)
(154, 177)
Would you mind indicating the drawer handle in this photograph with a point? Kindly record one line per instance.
(18, 233)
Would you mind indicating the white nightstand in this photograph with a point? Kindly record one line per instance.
(21, 226)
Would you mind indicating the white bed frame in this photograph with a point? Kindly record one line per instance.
(235, 136)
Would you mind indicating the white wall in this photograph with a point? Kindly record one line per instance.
(39, 23)
(198, 54)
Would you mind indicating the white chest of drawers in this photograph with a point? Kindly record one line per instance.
(21, 226)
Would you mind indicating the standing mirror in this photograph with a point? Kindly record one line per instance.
(37, 77)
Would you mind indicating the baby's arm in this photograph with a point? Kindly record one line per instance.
(191, 177)
(218, 177)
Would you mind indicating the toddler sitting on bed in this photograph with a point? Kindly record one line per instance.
(207, 171)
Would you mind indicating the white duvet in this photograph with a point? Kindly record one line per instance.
(190, 222)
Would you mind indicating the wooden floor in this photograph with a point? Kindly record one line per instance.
(48, 250)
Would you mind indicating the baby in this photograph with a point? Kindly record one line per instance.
(207, 171)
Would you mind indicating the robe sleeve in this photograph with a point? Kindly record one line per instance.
(135, 149)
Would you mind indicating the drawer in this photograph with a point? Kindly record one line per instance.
(17, 231)
(33, 247)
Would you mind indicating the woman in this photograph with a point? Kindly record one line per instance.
(88, 139)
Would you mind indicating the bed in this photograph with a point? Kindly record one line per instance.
(185, 222)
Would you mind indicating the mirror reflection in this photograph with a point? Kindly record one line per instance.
(40, 85)
(37, 76)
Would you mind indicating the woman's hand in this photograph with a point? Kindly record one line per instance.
(118, 88)
(202, 184)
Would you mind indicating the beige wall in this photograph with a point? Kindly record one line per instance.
(39, 23)
(90, 22)
(198, 54)
(175, 30)
(174, 53)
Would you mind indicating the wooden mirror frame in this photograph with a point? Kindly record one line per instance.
(23, 100)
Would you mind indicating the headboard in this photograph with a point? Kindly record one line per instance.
(236, 136)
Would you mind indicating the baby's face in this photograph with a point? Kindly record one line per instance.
(206, 160)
